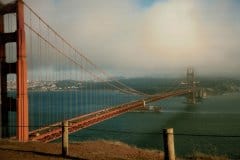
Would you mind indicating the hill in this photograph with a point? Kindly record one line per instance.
(89, 150)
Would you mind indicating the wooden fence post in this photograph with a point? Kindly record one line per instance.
(168, 142)
(64, 138)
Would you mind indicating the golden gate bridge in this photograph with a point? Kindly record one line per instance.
(45, 80)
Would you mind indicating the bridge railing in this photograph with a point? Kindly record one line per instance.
(62, 82)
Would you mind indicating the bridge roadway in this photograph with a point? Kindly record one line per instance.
(54, 131)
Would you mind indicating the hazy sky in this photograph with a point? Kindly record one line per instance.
(150, 37)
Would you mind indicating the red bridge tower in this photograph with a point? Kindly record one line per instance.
(20, 104)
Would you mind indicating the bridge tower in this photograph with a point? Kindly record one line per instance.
(20, 104)
(191, 98)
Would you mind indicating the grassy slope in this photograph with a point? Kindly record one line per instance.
(94, 150)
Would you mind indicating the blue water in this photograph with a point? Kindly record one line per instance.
(50, 107)
(215, 115)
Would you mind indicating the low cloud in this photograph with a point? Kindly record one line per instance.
(127, 39)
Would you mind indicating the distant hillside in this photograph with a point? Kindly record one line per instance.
(155, 85)
(220, 85)
(152, 85)
(213, 86)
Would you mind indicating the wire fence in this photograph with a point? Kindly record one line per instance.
(132, 132)
(185, 143)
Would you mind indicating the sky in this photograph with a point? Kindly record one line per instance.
(136, 38)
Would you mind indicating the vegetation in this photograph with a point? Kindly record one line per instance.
(202, 156)
(90, 150)
(213, 86)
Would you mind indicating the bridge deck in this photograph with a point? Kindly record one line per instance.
(54, 131)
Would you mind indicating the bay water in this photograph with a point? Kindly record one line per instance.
(211, 126)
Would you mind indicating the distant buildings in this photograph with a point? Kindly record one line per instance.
(47, 85)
